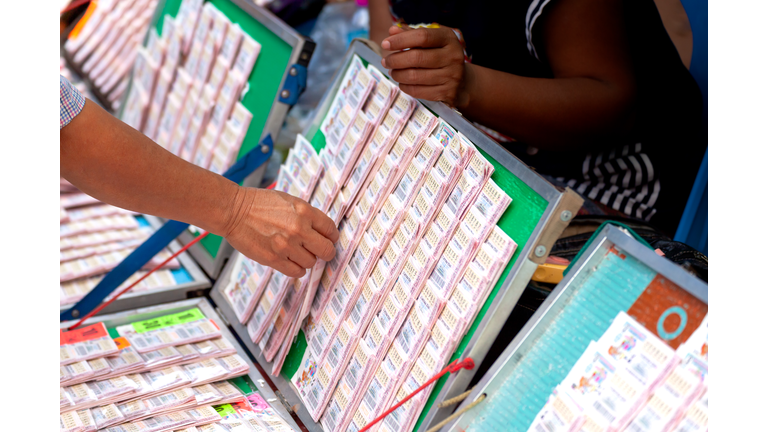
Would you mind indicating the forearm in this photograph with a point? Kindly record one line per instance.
(380, 20)
(546, 113)
(114, 163)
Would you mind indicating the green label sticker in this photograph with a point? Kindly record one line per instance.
(224, 410)
(168, 320)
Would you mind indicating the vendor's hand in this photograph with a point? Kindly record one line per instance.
(433, 67)
(280, 231)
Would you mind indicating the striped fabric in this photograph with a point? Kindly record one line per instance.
(534, 11)
(71, 102)
(623, 180)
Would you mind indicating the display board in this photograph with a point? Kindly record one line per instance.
(615, 274)
(282, 55)
(537, 215)
(252, 382)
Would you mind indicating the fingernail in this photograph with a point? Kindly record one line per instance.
(385, 44)
(383, 62)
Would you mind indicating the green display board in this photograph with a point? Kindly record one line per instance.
(519, 222)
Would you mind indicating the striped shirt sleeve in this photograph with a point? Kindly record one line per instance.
(71, 102)
(535, 9)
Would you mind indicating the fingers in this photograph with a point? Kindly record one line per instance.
(421, 58)
(289, 268)
(419, 38)
(302, 257)
(439, 93)
(323, 225)
(320, 246)
(424, 77)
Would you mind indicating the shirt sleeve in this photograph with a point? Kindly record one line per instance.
(535, 8)
(71, 102)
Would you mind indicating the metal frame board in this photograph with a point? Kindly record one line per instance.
(560, 208)
(522, 344)
(131, 300)
(129, 316)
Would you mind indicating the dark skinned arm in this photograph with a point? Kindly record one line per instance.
(380, 21)
(114, 163)
(589, 99)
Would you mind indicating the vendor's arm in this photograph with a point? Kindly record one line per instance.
(589, 98)
(380, 20)
(114, 163)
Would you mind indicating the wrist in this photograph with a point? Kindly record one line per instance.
(238, 203)
(463, 97)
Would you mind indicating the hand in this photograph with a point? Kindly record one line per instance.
(433, 67)
(280, 231)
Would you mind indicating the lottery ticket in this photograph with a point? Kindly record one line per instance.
(319, 391)
(629, 345)
(246, 57)
(219, 29)
(695, 419)
(231, 44)
(560, 413)
(203, 415)
(428, 303)
(85, 343)
(107, 415)
(285, 316)
(492, 202)
(228, 95)
(70, 422)
(249, 279)
(268, 305)
(195, 331)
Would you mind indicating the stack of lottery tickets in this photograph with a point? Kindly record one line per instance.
(418, 254)
(105, 47)
(631, 380)
(95, 238)
(154, 378)
(188, 83)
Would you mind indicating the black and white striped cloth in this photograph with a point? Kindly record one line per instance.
(623, 180)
